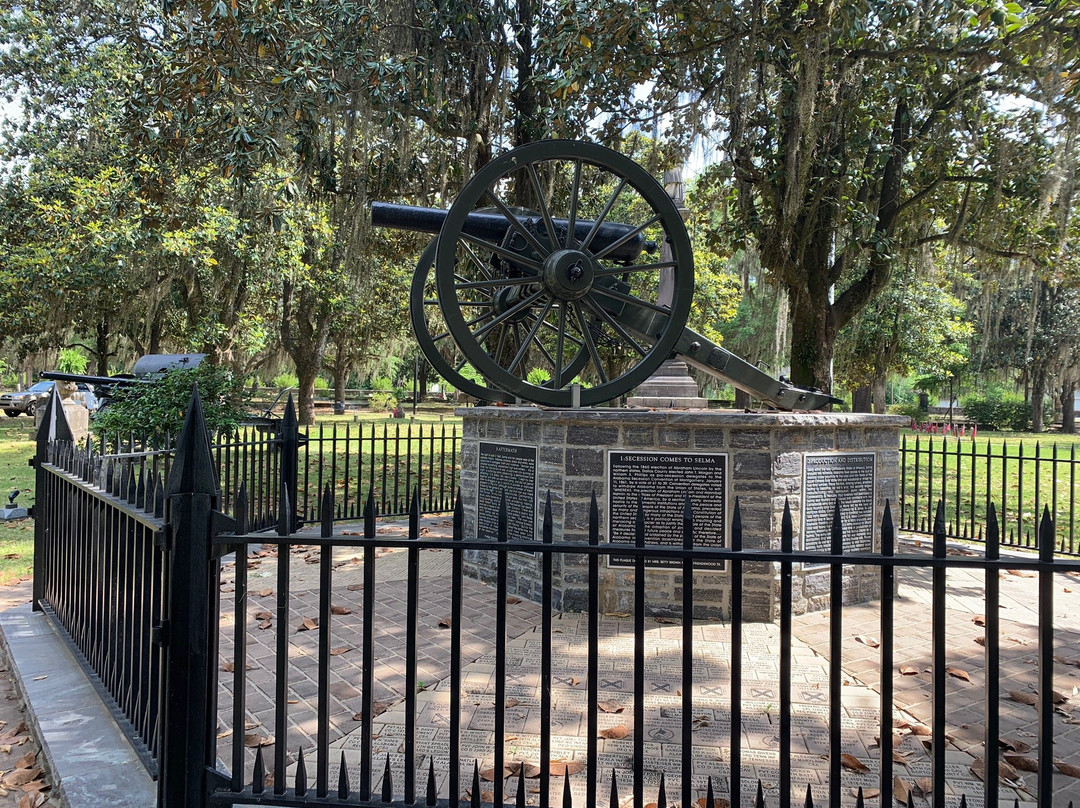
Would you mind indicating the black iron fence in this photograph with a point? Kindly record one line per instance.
(200, 723)
(1020, 479)
(389, 461)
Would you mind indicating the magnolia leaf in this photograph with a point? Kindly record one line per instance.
(610, 706)
(309, 624)
(866, 639)
(958, 673)
(900, 790)
(1024, 698)
(1021, 762)
(341, 649)
(560, 768)
(615, 733)
(340, 610)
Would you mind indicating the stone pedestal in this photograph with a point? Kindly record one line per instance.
(671, 386)
(78, 418)
(765, 458)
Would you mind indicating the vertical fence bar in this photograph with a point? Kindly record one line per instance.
(412, 610)
(735, 706)
(240, 600)
(326, 566)
(903, 477)
(992, 655)
(547, 535)
(456, 596)
(639, 657)
(888, 645)
(368, 673)
(1020, 496)
(787, 547)
(687, 750)
(1046, 659)
(593, 668)
(500, 653)
(836, 656)
(938, 645)
(281, 660)
(915, 507)
(187, 745)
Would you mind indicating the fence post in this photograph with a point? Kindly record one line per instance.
(290, 461)
(191, 492)
(54, 428)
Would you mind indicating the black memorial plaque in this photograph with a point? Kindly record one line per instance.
(510, 469)
(848, 476)
(663, 480)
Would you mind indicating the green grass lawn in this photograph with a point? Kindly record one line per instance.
(1025, 473)
(16, 537)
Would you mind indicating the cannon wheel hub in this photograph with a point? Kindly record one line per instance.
(569, 274)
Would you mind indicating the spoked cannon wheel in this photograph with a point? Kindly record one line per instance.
(577, 290)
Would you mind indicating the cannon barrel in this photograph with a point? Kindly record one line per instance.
(494, 226)
(119, 381)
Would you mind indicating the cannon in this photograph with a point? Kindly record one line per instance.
(146, 370)
(563, 274)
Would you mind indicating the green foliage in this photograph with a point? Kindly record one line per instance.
(996, 410)
(538, 376)
(909, 409)
(383, 384)
(284, 380)
(382, 400)
(72, 360)
(155, 410)
(322, 384)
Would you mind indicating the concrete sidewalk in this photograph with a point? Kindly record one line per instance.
(78, 744)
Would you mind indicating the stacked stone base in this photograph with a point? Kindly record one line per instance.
(765, 457)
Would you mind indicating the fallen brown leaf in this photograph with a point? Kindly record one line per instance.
(27, 761)
(610, 706)
(925, 785)
(20, 777)
(512, 702)
(852, 763)
(1005, 770)
(718, 802)
(980, 641)
(1014, 745)
(866, 639)
(1021, 762)
(1067, 769)
(979, 620)
(264, 615)
(615, 733)
(513, 601)
(958, 673)
(253, 740)
(263, 593)
(560, 768)
(1024, 698)
(900, 790)
(444, 623)
(309, 624)
(340, 609)
(907, 670)
(341, 649)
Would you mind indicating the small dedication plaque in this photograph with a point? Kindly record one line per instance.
(663, 480)
(849, 476)
(510, 469)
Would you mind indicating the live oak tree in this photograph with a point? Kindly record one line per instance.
(840, 121)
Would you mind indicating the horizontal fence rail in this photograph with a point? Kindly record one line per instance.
(968, 475)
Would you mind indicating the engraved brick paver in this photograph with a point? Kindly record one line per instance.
(568, 724)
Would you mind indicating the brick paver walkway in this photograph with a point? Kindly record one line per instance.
(712, 690)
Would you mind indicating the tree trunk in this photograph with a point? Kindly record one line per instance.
(742, 399)
(1068, 408)
(101, 347)
(813, 339)
(1038, 386)
(306, 372)
(879, 386)
(860, 398)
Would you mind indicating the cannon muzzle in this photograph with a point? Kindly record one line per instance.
(493, 227)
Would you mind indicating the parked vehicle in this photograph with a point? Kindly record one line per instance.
(27, 402)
